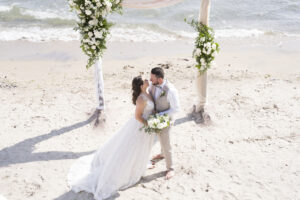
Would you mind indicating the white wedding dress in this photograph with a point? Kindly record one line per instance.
(119, 163)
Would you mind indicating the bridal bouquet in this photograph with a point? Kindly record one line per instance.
(93, 25)
(156, 123)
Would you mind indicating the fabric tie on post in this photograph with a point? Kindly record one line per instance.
(99, 84)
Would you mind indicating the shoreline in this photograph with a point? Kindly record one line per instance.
(266, 54)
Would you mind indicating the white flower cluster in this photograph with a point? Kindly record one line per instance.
(93, 25)
(157, 122)
(204, 51)
(205, 48)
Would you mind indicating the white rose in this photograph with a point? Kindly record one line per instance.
(198, 52)
(94, 47)
(99, 4)
(88, 12)
(208, 51)
(90, 34)
(150, 123)
(155, 122)
(160, 126)
(108, 5)
(91, 22)
(164, 125)
(97, 34)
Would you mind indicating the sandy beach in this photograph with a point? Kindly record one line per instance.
(250, 150)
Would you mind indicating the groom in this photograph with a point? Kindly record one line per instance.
(166, 101)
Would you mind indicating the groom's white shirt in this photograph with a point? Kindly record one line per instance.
(172, 98)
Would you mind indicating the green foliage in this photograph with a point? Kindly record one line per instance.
(93, 25)
(206, 48)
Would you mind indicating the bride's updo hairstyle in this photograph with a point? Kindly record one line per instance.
(137, 82)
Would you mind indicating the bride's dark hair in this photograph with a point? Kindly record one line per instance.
(136, 88)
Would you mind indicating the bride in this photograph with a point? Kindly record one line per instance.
(122, 160)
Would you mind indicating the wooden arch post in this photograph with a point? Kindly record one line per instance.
(202, 79)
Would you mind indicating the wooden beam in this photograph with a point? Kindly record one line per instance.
(202, 79)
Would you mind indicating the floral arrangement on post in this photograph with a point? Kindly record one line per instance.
(206, 48)
(93, 25)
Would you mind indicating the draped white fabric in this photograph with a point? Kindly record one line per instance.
(99, 84)
(117, 164)
(146, 4)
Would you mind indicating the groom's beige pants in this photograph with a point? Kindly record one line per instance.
(166, 149)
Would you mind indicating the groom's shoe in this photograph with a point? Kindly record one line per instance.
(170, 173)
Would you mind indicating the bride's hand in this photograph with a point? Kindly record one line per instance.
(145, 122)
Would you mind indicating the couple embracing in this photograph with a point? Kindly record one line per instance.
(121, 161)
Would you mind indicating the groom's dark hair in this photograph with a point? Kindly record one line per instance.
(158, 72)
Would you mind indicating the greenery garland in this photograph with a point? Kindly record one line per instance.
(93, 25)
(205, 48)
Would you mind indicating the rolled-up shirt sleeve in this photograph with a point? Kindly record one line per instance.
(174, 102)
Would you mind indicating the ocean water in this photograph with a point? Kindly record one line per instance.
(47, 20)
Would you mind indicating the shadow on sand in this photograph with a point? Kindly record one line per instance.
(22, 151)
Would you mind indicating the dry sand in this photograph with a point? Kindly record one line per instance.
(251, 149)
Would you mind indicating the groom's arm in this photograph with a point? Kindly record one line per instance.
(174, 102)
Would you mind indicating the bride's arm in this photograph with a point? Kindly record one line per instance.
(140, 105)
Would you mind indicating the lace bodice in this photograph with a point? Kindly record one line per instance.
(148, 110)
